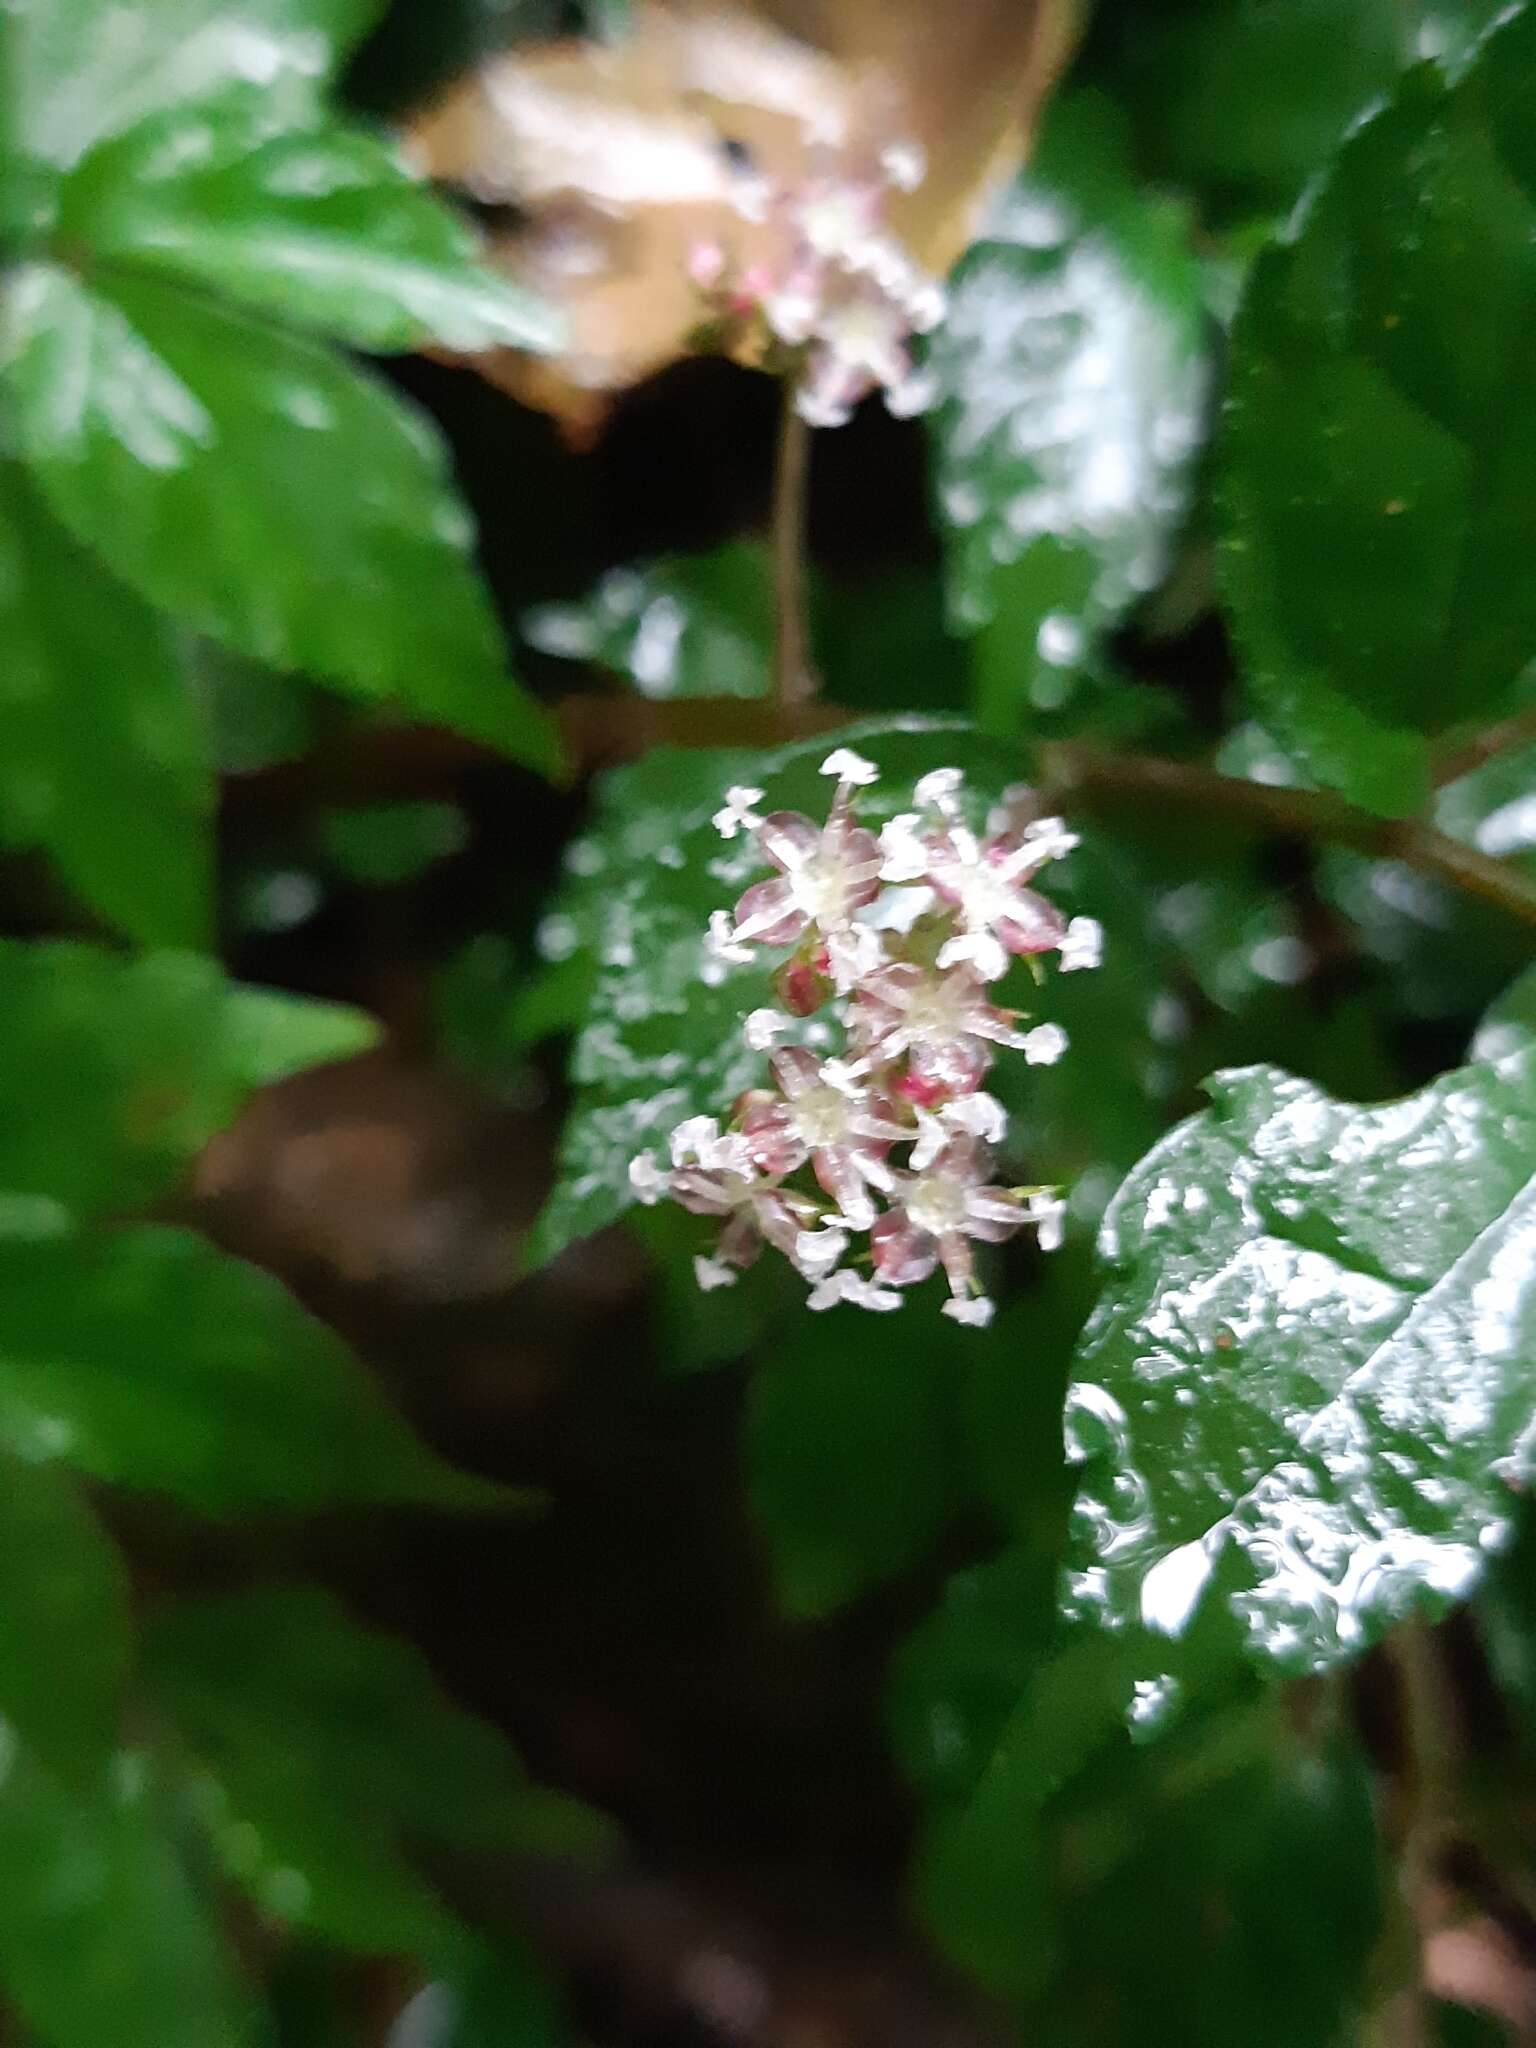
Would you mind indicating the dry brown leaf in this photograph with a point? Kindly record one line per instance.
(624, 157)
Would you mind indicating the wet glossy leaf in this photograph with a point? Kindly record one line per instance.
(853, 1453)
(687, 626)
(105, 1942)
(1074, 388)
(147, 1358)
(702, 626)
(323, 227)
(114, 1072)
(105, 761)
(334, 1761)
(1305, 1395)
(1373, 560)
(77, 70)
(661, 1039)
(63, 1622)
(213, 462)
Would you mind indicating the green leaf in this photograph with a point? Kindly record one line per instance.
(256, 716)
(702, 626)
(1509, 1025)
(1455, 2026)
(1246, 102)
(334, 1763)
(77, 70)
(1073, 383)
(115, 1072)
(63, 1622)
(1304, 1398)
(324, 228)
(853, 1454)
(1444, 954)
(147, 1358)
(661, 1041)
(1040, 1883)
(105, 760)
(503, 1995)
(214, 462)
(380, 845)
(1373, 558)
(685, 626)
(489, 1998)
(104, 1940)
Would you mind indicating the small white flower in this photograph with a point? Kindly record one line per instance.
(722, 944)
(713, 1273)
(976, 1311)
(905, 164)
(762, 1028)
(647, 1179)
(848, 1078)
(978, 1116)
(1048, 1214)
(851, 954)
(917, 393)
(981, 950)
(972, 1116)
(932, 1137)
(1049, 838)
(906, 857)
(698, 1141)
(737, 815)
(818, 409)
(926, 305)
(1083, 945)
(818, 1251)
(848, 766)
(693, 1140)
(939, 789)
(1044, 1046)
(851, 1287)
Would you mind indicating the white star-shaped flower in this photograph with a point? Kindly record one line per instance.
(973, 1310)
(713, 1273)
(1044, 1046)
(1083, 945)
(736, 814)
(848, 766)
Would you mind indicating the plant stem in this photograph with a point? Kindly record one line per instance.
(1482, 746)
(1072, 773)
(794, 680)
(600, 731)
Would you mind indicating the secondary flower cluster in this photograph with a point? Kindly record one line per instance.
(899, 936)
(839, 292)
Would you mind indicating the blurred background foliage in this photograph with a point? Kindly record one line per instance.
(402, 1646)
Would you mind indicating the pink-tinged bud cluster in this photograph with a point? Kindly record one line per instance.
(838, 294)
(900, 935)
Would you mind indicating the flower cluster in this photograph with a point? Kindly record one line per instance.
(839, 295)
(899, 936)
